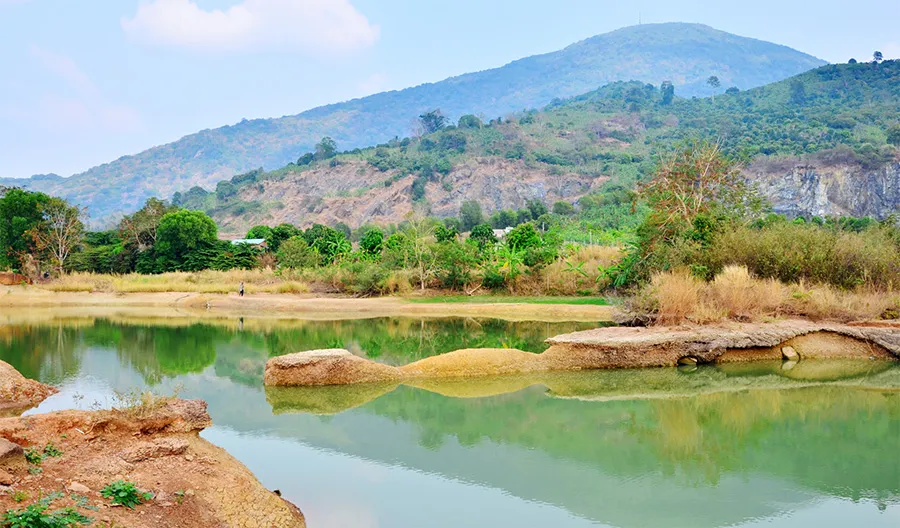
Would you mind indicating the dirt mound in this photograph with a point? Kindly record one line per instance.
(18, 393)
(471, 363)
(194, 483)
(325, 367)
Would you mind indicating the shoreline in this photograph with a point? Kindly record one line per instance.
(25, 301)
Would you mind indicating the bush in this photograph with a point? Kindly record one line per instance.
(125, 493)
(523, 238)
(455, 263)
(295, 253)
(372, 242)
(483, 236)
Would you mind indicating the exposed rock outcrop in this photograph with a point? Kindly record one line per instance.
(13, 279)
(818, 189)
(18, 393)
(605, 348)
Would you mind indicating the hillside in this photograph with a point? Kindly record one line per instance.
(685, 54)
(817, 144)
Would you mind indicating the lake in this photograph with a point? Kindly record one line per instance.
(737, 445)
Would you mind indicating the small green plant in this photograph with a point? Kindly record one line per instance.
(125, 493)
(37, 516)
(34, 456)
(35, 470)
(51, 450)
(179, 496)
(20, 496)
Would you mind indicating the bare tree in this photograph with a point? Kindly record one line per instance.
(60, 231)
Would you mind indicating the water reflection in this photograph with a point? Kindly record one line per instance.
(725, 446)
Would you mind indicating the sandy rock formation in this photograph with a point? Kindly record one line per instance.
(604, 348)
(18, 393)
(325, 367)
(622, 347)
(158, 448)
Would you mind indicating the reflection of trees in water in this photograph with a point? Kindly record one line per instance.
(47, 353)
(839, 440)
(402, 340)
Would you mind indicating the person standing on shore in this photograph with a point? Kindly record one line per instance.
(242, 289)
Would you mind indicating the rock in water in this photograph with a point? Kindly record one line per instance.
(17, 391)
(326, 367)
(789, 354)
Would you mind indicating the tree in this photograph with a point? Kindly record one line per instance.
(668, 93)
(537, 208)
(483, 236)
(798, 92)
(734, 90)
(563, 208)
(470, 215)
(295, 253)
(279, 234)
(328, 242)
(470, 121)
(259, 232)
(444, 233)
(182, 233)
(523, 237)
(432, 122)
(372, 242)
(326, 149)
(59, 232)
(852, 61)
(714, 83)
(893, 135)
(20, 212)
(140, 229)
(878, 56)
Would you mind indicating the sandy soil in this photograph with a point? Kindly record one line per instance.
(194, 483)
(17, 302)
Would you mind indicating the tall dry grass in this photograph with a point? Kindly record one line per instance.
(578, 272)
(676, 297)
(255, 281)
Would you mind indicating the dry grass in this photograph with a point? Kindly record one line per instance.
(579, 272)
(255, 281)
(677, 297)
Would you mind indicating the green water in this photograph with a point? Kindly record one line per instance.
(746, 445)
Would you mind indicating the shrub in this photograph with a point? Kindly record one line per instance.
(483, 236)
(523, 238)
(295, 253)
(125, 493)
(372, 242)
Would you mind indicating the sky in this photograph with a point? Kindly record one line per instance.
(83, 83)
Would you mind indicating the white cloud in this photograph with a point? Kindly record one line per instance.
(304, 25)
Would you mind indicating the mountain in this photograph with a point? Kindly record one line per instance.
(685, 54)
(820, 143)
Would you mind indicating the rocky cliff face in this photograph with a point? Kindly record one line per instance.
(356, 193)
(820, 190)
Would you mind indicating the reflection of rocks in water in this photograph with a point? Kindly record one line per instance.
(324, 400)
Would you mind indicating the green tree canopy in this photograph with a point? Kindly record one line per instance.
(260, 231)
(563, 208)
(20, 212)
(470, 215)
(295, 253)
(183, 232)
(279, 234)
(372, 242)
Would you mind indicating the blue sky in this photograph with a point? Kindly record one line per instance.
(82, 83)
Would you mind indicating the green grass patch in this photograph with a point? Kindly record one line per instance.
(505, 299)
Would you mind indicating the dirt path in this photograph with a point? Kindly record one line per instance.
(18, 303)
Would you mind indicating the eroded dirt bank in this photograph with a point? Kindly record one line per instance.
(65, 459)
(606, 348)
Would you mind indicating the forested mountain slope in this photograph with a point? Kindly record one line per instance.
(685, 54)
(820, 143)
